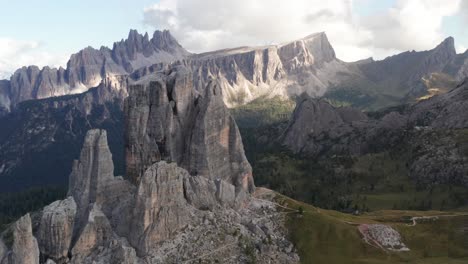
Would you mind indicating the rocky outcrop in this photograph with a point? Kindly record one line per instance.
(25, 248)
(430, 133)
(4, 97)
(56, 127)
(92, 171)
(3, 251)
(382, 236)
(116, 222)
(56, 229)
(443, 111)
(168, 119)
(160, 207)
(315, 122)
(96, 232)
(152, 218)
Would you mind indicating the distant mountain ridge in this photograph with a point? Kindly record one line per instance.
(89, 67)
(246, 73)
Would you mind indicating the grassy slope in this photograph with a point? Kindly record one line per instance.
(263, 111)
(323, 236)
(370, 182)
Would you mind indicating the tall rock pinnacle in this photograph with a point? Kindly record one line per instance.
(93, 170)
(167, 119)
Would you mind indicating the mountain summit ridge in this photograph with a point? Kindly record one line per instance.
(88, 67)
(308, 64)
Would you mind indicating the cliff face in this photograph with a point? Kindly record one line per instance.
(306, 65)
(168, 119)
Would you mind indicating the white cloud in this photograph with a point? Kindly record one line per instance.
(204, 25)
(464, 10)
(411, 24)
(461, 49)
(16, 53)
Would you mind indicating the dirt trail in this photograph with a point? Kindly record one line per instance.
(415, 219)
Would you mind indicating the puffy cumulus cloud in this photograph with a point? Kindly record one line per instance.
(461, 49)
(464, 10)
(411, 24)
(204, 25)
(16, 53)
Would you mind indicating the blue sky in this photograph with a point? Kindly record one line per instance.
(71, 24)
(47, 32)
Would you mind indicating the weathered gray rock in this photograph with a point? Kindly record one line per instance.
(92, 171)
(96, 232)
(443, 111)
(382, 236)
(160, 208)
(88, 67)
(315, 125)
(200, 192)
(244, 74)
(92, 181)
(56, 229)
(428, 131)
(167, 119)
(3, 251)
(25, 249)
(216, 148)
(203, 193)
(124, 255)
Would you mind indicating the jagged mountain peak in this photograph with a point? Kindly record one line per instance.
(318, 45)
(447, 47)
(89, 66)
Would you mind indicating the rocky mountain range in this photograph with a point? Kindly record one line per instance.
(287, 70)
(88, 67)
(156, 114)
(246, 73)
(160, 212)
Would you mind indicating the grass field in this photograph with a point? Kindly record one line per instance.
(324, 236)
